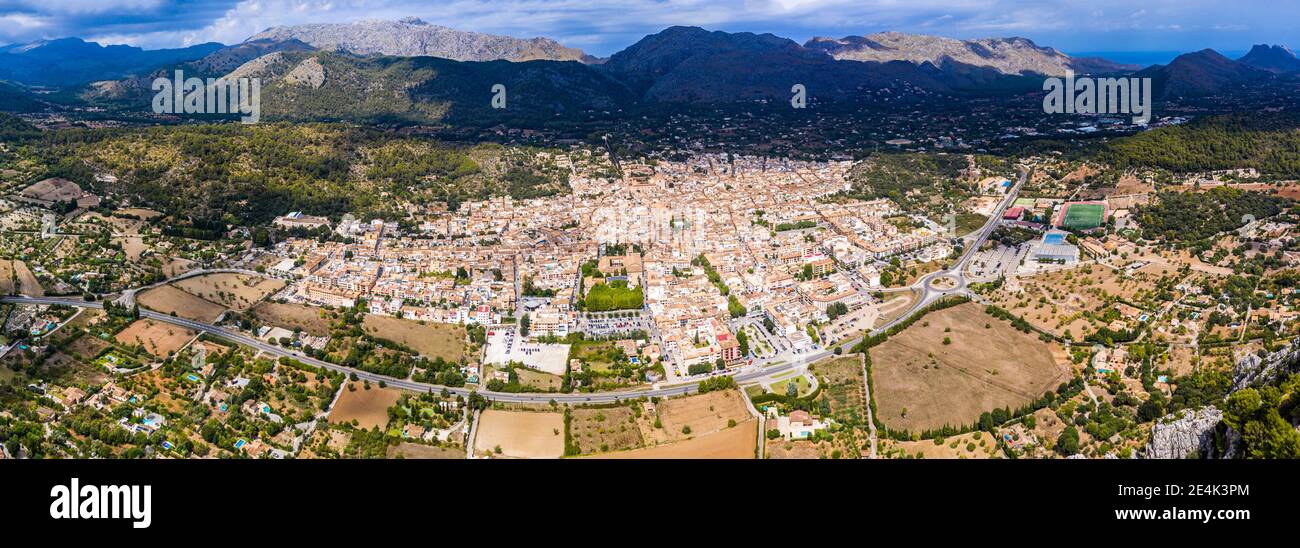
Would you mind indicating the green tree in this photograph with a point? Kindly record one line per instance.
(1068, 443)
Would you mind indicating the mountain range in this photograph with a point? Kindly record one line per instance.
(1018, 56)
(1271, 58)
(412, 37)
(412, 70)
(70, 61)
(1201, 73)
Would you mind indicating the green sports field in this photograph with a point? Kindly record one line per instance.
(1083, 216)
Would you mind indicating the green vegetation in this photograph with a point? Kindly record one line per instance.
(913, 181)
(1263, 417)
(714, 277)
(614, 295)
(801, 225)
(1268, 142)
(721, 382)
(1186, 218)
(215, 175)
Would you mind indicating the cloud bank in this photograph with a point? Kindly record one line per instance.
(604, 26)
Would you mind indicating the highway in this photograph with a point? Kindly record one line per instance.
(929, 294)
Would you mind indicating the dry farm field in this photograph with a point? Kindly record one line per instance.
(290, 316)
(367, 406)
(171, 300)
(86, 346)
(157, 338)
(922, 383)
(178, 266)
(235, 291)
(133, 246)
(15, 277)
(1056, 302)
(407, 450)
(520, 434)
(693, 416)
(737, 442)
(429, 339)
(973, 445)
(146, 214)
(601, 430)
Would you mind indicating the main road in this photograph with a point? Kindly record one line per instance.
(929, 294)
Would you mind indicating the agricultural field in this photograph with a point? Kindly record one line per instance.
(312, 320)
(429, 339)
(177, 266)
(16, 278)
(156, 338)
(86, 346)
(973, 445)
(605, 429)
(923, 382)
(146, 214)
(736, 442)
(520, 434)
(693, 416)
(407, 450)
(235, 291)
(172, 300)
(837, 448)
(364, 403)
(133, 246)
(70, 370)
(1071, 301)
(843, 386)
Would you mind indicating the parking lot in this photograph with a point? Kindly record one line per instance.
(505, 345)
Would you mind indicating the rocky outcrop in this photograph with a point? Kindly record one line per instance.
(410, 37)
(1253, 370)
(266, 67)
(308, 73)
(1006, 55)
(1191, 434)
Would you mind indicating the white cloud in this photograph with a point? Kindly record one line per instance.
(604, 26)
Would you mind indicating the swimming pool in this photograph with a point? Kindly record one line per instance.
(1054, 238)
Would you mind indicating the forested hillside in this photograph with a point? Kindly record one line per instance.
(1269, 142)
(1186, 217)
(241, 174)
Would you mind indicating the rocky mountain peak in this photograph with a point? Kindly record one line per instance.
(413, 37)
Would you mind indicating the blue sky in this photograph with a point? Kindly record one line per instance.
(602, 27)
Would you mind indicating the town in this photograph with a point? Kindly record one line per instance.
(950, 305)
